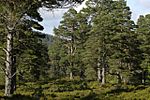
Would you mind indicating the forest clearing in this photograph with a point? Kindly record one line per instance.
(97, 53)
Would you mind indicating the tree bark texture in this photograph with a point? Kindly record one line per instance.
(71, 75)
(99, 74)
(9, 71)
(103, 76)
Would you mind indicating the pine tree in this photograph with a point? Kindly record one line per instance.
(67, 30)
(99, 40)
(112, 46)
(125, 60)
(143, 36)
(28, 51)
(72, 33)
(13, 14)
(58, 59)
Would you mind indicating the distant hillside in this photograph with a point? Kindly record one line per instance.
(47, 39)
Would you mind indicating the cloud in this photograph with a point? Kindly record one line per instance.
(53, 17)
(78, 8)
(52, 14)
(139, 7)
(145, 3)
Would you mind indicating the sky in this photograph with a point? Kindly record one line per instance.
(52, 18)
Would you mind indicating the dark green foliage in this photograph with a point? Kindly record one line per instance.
(100, 42)
(143, 36)
(27, 51)
(18, 19)
(98, 37)
(57, 58)
(68, 46)
(126, 55)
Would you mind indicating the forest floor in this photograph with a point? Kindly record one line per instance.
(77, 90)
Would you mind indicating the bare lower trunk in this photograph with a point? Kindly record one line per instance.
(81, 74)
(99, 74)
(13, 86)
(125, 81)
(119, 77)
(143, 77)
(103, 76)
(71, 75)
(9, 66)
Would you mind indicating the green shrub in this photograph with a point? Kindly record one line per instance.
(94, 85)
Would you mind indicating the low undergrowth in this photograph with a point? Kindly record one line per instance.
(77, 90)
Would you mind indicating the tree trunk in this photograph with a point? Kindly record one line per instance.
(103, 76)
(9, 66)
(99, 74)
(125, 81)
(81, 74)
(14, 75)
(143, 77)
(118, 77)
(71, 75)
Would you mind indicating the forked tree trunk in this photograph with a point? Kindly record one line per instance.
(9, 71)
